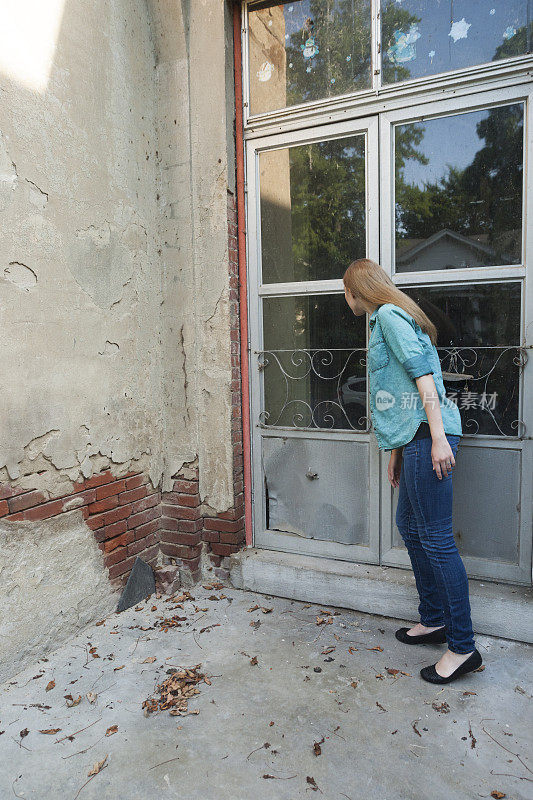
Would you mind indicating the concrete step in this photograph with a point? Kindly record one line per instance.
(498, 609)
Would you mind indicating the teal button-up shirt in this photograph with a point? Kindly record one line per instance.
(398, 352)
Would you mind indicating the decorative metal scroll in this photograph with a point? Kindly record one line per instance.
(326, 389)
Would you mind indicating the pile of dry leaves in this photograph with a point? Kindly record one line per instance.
(175, 691)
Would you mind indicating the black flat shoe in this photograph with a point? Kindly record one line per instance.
(472, 662)
(434, 637)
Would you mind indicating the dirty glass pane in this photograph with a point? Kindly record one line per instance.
(306, 50)
(312, 209)
(314, 377)
(458, 183)
(425, 37)
(478, 336)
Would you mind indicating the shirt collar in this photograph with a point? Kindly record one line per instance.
(372, 318)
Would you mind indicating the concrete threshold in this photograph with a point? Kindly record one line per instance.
(498, 609)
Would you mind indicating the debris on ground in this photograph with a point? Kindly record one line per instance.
(176, 691)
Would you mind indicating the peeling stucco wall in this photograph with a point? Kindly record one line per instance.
(116, 157)
(195, 111)
(80, 273)
(52, 585)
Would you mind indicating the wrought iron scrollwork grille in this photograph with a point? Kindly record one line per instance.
(317, 388)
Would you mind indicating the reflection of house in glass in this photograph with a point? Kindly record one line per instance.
(447, 249)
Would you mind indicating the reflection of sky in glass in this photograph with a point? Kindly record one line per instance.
(492, 22)
(296, 13)
(440, 145)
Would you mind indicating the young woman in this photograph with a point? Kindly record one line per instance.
(421, 427)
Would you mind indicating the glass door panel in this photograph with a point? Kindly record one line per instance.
(478, 329)
(314, 363)
(313, 209)
(458, 190)
(454, 239)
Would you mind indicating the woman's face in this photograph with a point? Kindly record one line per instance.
(354, 303)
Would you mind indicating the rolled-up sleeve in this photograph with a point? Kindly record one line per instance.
(400, 334)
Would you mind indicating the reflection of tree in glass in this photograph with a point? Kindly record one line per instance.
(517, 45)
(328, 207)
(482, 201)
(394, 19)
(341, 30)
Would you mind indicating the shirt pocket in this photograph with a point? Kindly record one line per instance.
(378, 355)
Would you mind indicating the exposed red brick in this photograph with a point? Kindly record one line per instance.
(181, 512)
(118, 541)
(115, 529)
(223, 549)
(94, 480)
(232, 538)
(228, 525)
(135, 481)
(189, 487)
(211, 536)
(140, 544)
(103, 505)
(121, 567)
(149, 527)
(23, 501)
(119, 554)
(150, 554)
(179, 551)
(132, 495)
(4, 508)
(189, 539)
(44, 511)
(110, 488)
(191, 500)
(144, 516)
(146, 502)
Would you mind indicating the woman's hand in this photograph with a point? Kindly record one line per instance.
(394, 468)
(442, 456)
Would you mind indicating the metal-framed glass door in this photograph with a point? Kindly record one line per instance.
(454, 205)
(312, 208)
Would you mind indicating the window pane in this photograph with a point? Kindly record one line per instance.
(314, 377)
(312, 209)
(478, 333)
(425, 37)
(307, 50)
(459, 190)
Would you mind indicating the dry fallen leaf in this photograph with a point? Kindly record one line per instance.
(50, 685)
(498, 795)
(91, 697)
(375, 648)
(266, 610)
(102, 622)
(51, 730)
(71, 701)
(149, 660)
(253, 660)
(111, 730)
(116, 669)
(154, 608)
(98, 766)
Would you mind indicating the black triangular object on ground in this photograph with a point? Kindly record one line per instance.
(140, 585)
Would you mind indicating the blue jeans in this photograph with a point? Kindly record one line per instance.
(424, 520)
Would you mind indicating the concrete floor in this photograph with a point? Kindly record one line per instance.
(264, 719)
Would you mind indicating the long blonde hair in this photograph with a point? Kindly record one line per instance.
(366, 279)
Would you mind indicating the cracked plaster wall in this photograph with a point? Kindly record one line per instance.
(80, 275)
(114, 284)
(52, 585)
(195, 113)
